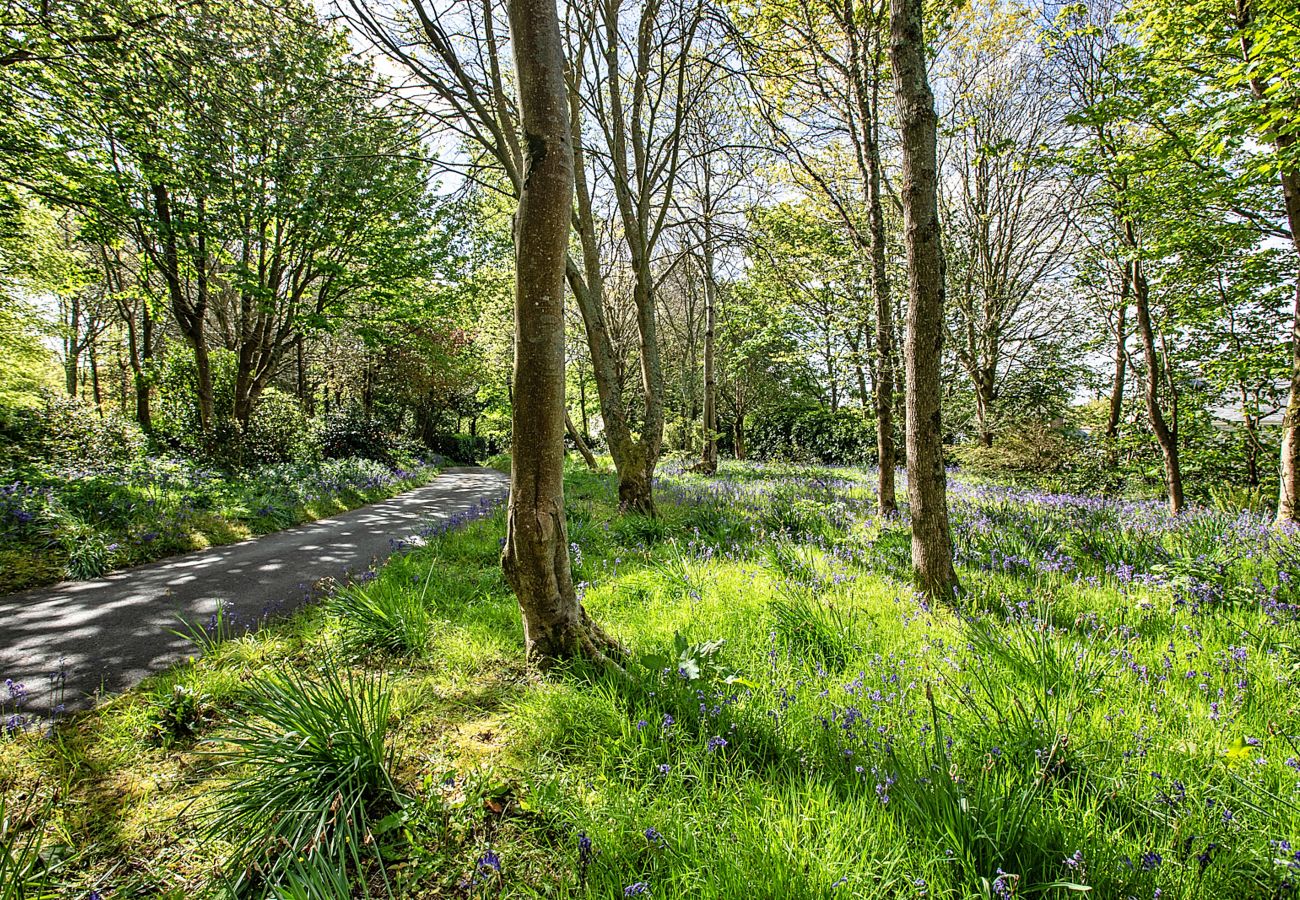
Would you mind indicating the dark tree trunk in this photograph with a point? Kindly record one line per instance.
(536, 554)
(1166, 429)
(72, 347)
(709, 457)
(94, 377)
(190, 316)
(1121, 369)
(884, 312)
(141, 363)
(927, 480)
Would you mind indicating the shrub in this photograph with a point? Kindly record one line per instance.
(65, 432)
(812, 433)
(463, 448)
(351, 432)
(310, 770)
(176, 716)
(1030, 448)
(278, 431)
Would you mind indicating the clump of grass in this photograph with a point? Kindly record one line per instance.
(176, 716)
(26, 869)
(383, 617)
(820, 631)
(310, 773)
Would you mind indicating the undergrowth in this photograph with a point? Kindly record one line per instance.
(1111, 710)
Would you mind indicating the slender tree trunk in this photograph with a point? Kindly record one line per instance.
(1288, 502)
(738, 426)
(884, 313)
(982, 404)
(582, 404)
(536, 554)
(587, 456)
(72, 347)
(1121, 369)
(1253, 445)
(94, 377)
(1166, 432)
(190, 316)
(926, 480)
(709, 458)
(629, 456)
(139, 343)
(633, 464)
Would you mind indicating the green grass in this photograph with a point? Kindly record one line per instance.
(1116, 725)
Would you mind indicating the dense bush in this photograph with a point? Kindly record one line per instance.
(812, 433)
(1029, 448)
(278, 431)
(463, 448)
(352, 432)
(67, 432)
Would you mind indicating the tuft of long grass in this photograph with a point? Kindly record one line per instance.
(25, 872)
(310, 771)
(383, 617)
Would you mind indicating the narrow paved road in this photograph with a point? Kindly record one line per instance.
(113, 631)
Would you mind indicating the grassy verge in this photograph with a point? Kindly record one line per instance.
(79, 525)
(1113, 710)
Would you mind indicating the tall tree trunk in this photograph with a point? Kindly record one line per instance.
(190, 316)
(94, 377)
(72, 347)
(923, 347)
(1166, 432)
(1121, 368)
(582, 404)
(536, 554)
(141, 355)
(983, 402)
(738, 425)
(1288, 501)
(634, 466)
(884, 311)
(1253, 446)
(709, 457)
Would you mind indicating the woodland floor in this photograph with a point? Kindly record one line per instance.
(1112, 707)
